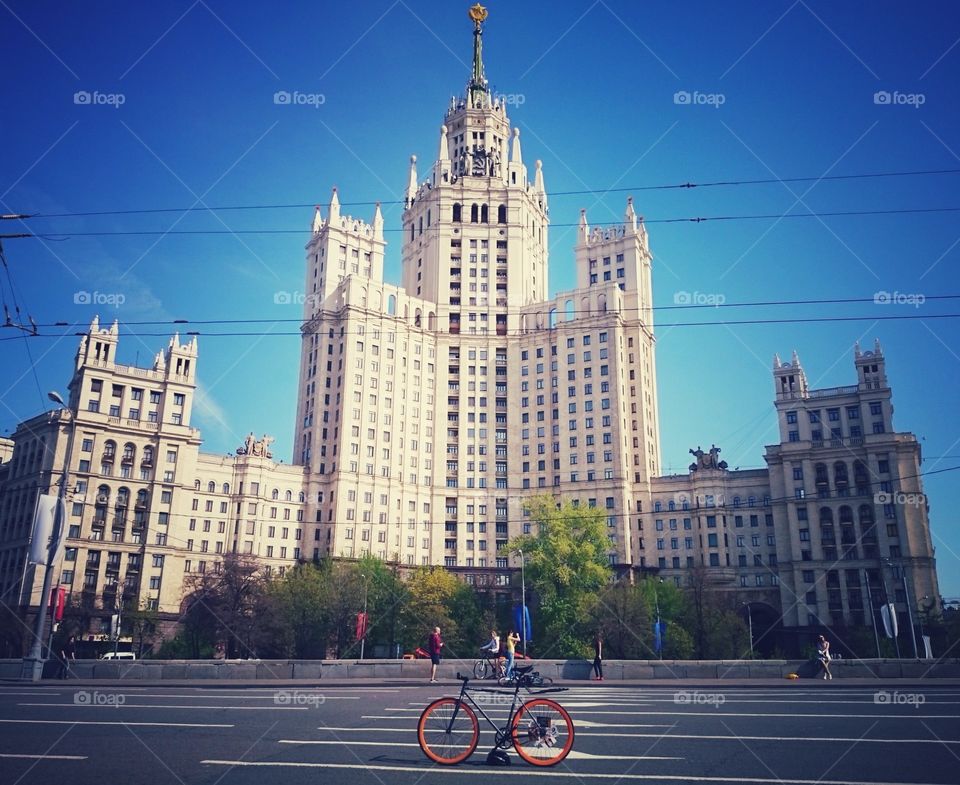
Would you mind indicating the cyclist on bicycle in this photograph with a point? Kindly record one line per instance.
(491, 649)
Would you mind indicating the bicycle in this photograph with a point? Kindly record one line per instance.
(529, 679)
(540, 729)
(489, 666)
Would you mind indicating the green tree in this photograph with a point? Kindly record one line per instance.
(566, 566)
(298, 618)
(622, 615)
(436, 598)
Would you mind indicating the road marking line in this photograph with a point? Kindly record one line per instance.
(667, 736)
(573, 753)
(563, 774)
(504, 715)
(42, 757)
(119, 722)
(164, 706)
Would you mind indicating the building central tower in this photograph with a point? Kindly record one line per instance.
(430, 412)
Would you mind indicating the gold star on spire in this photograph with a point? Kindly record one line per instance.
(477, 13)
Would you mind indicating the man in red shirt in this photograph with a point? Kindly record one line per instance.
(436, 645)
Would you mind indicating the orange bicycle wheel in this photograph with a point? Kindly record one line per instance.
(542, 732)
(445, 739)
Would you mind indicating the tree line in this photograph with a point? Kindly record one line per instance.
(311, 611)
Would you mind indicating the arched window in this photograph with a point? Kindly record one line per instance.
(147, 455)
(457, 212)
(302, 498)
(752, 501)
(211, 487)
(123, 497)
(840, 473)
(846, 514)
(474, 213)
(417, 317)
(196, 485)
(226, 488)
(484, 215)
(826, 515)
(109, 448)
(671, 505)
(392, 305)
(275, 494)
(502, 214)
(142, 498)
(103, 496)
(736, 501)
(288, 496)
(129, 451)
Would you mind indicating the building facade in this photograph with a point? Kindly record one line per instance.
(429, 412)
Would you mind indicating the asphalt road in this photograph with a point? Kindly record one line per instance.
(793, 733)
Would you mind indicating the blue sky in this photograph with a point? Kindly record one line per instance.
(181, 112)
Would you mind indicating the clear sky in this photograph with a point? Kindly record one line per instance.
(124, 106)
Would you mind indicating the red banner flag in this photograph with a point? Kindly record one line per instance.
(361, 625)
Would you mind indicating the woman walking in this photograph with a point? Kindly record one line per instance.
(598, 657)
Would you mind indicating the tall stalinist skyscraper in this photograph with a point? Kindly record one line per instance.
(428, 413)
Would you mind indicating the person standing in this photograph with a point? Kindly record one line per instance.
(511, 645)
(67, 654)
(435, 648)
(823, 656)
(598, 657)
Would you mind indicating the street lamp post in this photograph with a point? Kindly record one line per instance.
(656, 601)
(33, 665)
(363, 639)
(749, 625)
(523, 607)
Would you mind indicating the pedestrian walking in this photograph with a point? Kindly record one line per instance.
(823, 656)
(67, 654)
(511, 647)
(598, 657)
(435, 647)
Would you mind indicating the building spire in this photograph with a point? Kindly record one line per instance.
(412, 181)
(477, 90)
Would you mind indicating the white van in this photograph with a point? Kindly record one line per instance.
(119, 655)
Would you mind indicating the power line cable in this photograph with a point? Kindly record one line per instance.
(662, 187)
(59, 236)
(560, 326)
(515, 310)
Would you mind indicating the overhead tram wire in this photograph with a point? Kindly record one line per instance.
(685, 306)
(558, 327)
(55, 236)
(592, 192)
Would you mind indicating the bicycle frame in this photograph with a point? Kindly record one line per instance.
(503, 734)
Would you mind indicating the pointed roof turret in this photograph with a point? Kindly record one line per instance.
(443, 155)
(317, 220)
(630, 217)
(516, 157)
(583, 228)
(377, 222)
(777, 362)
(334, 217)
(412, 181)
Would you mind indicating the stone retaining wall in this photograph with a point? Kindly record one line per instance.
(614, 670)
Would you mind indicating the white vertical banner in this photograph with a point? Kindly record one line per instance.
(889, 614)
(43, 523)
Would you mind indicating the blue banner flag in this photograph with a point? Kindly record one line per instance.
(522, 627)
(659, 632)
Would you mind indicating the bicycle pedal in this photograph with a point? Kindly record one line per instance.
(498, 758)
